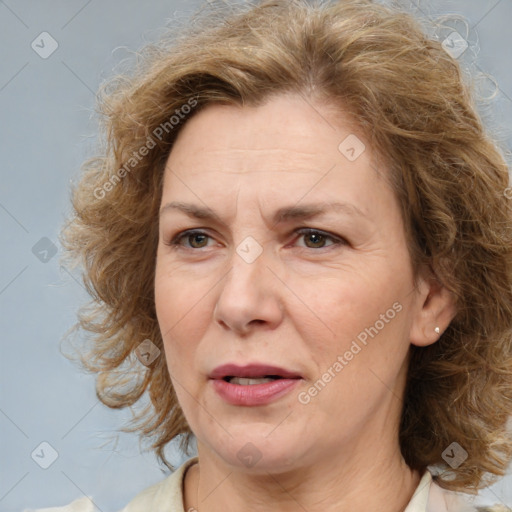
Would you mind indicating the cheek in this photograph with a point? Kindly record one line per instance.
(362, 319)
(184, 311)
(176, 296)
(342, 306)
(172, 302)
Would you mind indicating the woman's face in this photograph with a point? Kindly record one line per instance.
(332, 311)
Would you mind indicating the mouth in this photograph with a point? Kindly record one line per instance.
(253, 384)
(247, 381)
(251, 374)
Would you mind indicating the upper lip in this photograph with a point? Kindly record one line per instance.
(251, 370)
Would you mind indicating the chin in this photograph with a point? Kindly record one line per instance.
(255, 448)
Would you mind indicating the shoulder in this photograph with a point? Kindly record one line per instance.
(429, 496)
(442, 500)
(165, 496)
(494, 508)
(84, 504)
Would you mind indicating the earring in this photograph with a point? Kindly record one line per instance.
(437, 330)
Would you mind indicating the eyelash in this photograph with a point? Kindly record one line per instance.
(175, 242)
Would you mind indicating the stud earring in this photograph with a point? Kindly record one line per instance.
(437, 330)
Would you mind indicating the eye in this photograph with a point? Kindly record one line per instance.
(197, 239)
(314, 239)
(318, 238)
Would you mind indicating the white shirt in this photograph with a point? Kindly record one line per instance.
(167, 496)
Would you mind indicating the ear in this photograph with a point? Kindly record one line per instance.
(435, 306)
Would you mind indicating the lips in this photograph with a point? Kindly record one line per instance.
(253, 384)
(252, 371)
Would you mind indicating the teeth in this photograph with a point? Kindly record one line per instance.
(249, 382)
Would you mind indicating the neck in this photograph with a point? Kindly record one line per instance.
(381, 481)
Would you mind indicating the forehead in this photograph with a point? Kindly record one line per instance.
(283, 122)
(287, 147)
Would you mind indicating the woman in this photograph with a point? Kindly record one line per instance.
(301, 230)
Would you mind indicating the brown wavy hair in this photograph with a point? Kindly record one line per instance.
(413, 103)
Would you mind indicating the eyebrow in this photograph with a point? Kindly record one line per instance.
(286, 213)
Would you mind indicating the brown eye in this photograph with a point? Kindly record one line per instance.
(317, 240)
(195, 239)
(199, 239)
(314, 239)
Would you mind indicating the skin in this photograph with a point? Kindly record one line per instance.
(299, 306)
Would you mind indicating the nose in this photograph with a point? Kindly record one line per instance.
(250, 296)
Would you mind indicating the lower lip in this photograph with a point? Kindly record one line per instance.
(254, 394)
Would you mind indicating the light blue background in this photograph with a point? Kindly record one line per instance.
(46, 131)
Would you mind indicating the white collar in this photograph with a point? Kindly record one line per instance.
(430, 497)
